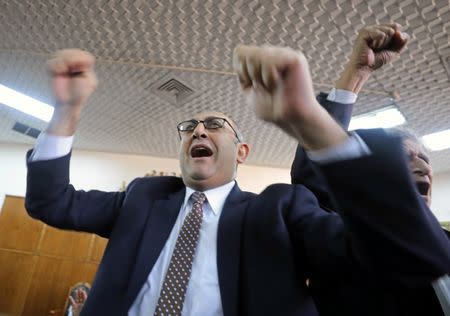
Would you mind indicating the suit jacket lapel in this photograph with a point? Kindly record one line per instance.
(157, 229)
(228, 249)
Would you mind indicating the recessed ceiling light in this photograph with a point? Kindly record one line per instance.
(26, 104)
(382, 118)
(437, 141)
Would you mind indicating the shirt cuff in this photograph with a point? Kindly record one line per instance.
(354, 147)
(342, 96)
(51, 147)
(442, 288)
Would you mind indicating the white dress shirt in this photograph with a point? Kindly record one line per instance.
(342, 96)
(203, 292)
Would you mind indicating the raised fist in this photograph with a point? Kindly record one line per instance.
(378, 45)
(277, 83)
(72, 77)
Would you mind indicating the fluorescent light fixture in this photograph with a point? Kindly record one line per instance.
(382, 118)
(26, 104)
(437, 141)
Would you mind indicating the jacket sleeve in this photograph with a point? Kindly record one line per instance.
(390, 227)
(50, 198)
(303, 170)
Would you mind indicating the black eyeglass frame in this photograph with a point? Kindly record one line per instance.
(203, 122)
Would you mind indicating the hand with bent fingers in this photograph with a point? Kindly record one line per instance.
(78, 302)
(378, 45)
(73, 80)
(278, 84)
(374, 47)
(72, 76)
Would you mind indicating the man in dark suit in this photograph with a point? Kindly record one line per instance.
(378, 296)
(199, 245)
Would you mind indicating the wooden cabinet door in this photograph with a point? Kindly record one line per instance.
(39, 264)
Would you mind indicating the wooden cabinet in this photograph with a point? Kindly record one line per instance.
(16, 272)
(18, 230)
(38, 263)
(63, 243)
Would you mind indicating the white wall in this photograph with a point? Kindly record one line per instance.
(441, 196)
(105, 171)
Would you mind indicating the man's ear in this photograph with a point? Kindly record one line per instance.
(243, 151)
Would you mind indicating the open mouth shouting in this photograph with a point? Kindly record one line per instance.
(201, 151)
(424, 189)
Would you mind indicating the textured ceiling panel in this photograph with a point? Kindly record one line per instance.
(139, 43)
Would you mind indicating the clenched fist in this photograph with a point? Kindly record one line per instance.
(73, 80)
(277, 83)
(374, 47)
(378, 45)
(72, 76)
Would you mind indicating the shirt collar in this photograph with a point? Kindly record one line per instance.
(215, 197)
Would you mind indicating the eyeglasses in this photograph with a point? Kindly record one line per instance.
(208, 123)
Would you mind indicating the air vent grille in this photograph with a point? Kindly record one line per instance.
(176, 86)
(173, 90)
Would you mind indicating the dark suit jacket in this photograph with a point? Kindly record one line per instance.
(268, 244)
(357, 291)
(304, 171)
